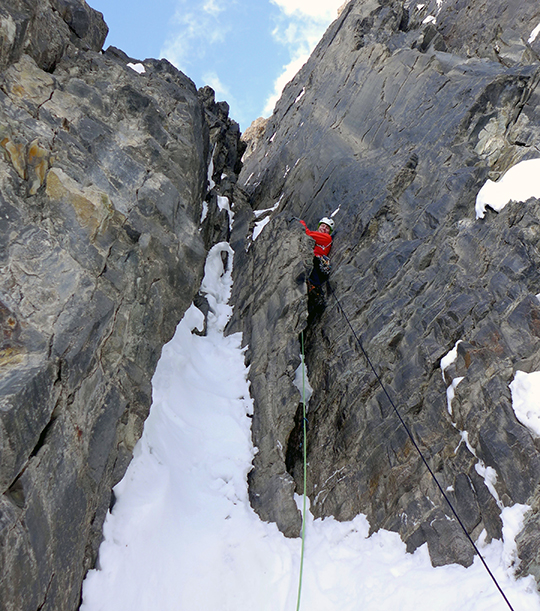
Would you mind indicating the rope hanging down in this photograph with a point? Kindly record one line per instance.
(409, 433)
(304, 447)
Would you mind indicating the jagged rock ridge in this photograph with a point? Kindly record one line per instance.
(396, 121)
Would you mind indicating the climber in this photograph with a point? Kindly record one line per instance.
(321, 264)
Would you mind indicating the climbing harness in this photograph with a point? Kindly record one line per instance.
(304, 449)
(324, 264)
(409, 433)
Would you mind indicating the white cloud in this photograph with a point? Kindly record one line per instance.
(200, 30)
(191, 25)
(287, 75)
(299, 28)
(325, 10)
(212, 7)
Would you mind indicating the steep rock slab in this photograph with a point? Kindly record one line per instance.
(103, 174)
(395, 122)
(271, 315)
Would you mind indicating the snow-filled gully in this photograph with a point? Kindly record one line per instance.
(183, 537)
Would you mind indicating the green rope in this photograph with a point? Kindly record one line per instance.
(304, 445)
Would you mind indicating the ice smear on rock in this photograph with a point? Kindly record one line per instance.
(301, 381)
(525, 390)
(534, 34)
(259, 226)
(446, 361)
(224, 204)
(137, 67)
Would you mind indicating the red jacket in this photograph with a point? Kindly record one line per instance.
(323, 241)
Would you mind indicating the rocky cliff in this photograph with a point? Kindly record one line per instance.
(103, 180)
(113, 179)
(399, 117)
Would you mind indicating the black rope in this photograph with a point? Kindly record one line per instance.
(409, 433)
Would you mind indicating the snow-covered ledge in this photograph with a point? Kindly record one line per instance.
(520, 183)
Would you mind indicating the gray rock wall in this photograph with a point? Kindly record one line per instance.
(44, 30)
(397, 122)
(103, 173)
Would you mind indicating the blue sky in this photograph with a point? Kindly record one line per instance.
(245, 49)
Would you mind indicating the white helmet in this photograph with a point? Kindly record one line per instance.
(328, 222)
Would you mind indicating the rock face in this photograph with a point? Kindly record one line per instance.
(271, 314)
(103, 174)
(44, 30)
(394, 124)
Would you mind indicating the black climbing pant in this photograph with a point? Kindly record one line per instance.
(315, 286)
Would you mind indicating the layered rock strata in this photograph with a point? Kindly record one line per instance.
(103, 177)
(393, 125)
